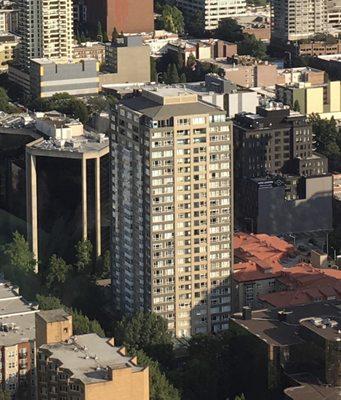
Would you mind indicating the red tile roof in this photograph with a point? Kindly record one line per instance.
(262, 258)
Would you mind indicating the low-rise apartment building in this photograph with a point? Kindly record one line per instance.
(318, 48)
(203, 49)
(77, 78)
(223, 93)
(269, 272)
(17, 344)
(281, 184)
(85, 367)
(8, 46)
(127, 60)
(247, 72)
(94, 50)
(296, 352)
(289, 76)
(309, 98)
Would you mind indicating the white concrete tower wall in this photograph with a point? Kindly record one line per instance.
(214, 10)
(172, 210)
(46, 28)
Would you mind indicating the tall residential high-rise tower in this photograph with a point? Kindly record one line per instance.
(172, 197)
(46, 29)
(213, 11)
(296, 19)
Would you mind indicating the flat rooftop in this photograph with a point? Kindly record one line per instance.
(17, 317)
(54, 315)
(76, 145)
(266, 325)
(333, 57)
(89, 357)
(310, 388)
(161, 103)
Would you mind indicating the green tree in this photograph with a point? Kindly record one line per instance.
(4, 102)
(57, 273)
(48, 302)
(77, 109)
(172, 75)
(182, 78)
(97, 104)
(160, 388)
(252, 46)
(83, 325)
(114, 36)
(240, 397)
(84, 255)
(205, 373)
(105, 265)
(99, 31)
(147, 332)
(19, 254)
(173, 19)
(195, 24)
(64, 103)
(229, 30)
(105, 37)
(153, 70)
(297, 106)
(327, 136)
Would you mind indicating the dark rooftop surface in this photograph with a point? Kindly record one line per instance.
(158, 111)
(310, 388)
(323, 318)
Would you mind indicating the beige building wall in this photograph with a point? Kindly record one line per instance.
(314, 100)
(52, 332)
(125, 384)
(133, 66)
(334, 94)
(190, 209)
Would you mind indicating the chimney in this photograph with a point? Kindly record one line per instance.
(247, 313)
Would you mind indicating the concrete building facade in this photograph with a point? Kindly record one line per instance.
(172, 209)
(127, 16)
(323, 99)
(213, 11)
(46, 29)
(126, 61)
(278, 176)
(77, 78)
(84, 157)
(86, 366)
(293, 20)
(17, 347)
(224, 94)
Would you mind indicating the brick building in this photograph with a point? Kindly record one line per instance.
(127, 16)
(85, 367)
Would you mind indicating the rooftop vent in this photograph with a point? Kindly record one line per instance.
(247, 313)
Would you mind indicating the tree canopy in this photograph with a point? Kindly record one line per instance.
(252, 46)
(327, 136)
(229, 30)
(64, 103)
(147, 332)
(172, 19)
(19, 254)
(160, 388)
